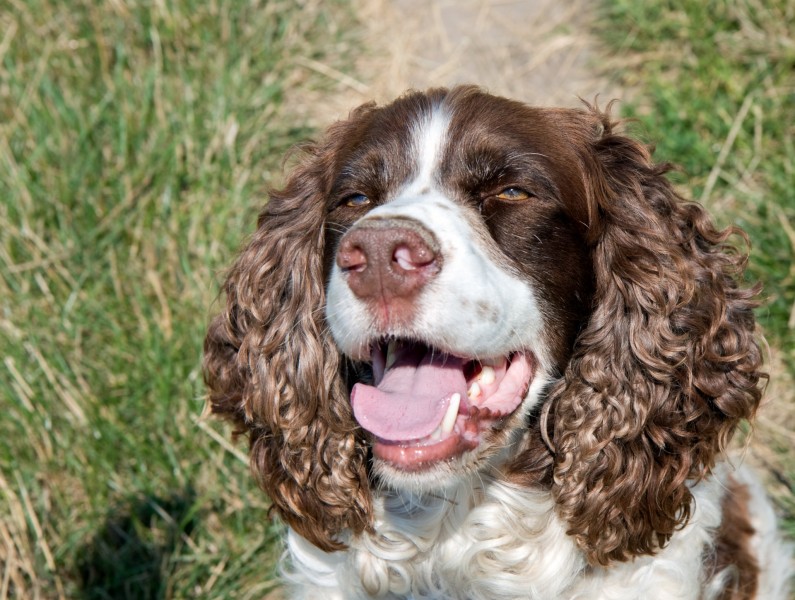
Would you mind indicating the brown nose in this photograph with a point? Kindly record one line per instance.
(388, 258)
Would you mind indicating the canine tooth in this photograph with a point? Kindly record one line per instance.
(390, 354)
(487, 375)
(451, 414)
(437, 433)
(474, 391)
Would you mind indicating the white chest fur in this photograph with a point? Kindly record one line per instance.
(492, 540)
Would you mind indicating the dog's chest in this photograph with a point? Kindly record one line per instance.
(490, 544)
(495, 541)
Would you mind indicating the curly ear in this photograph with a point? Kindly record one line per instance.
(272, 368)
(665, 369)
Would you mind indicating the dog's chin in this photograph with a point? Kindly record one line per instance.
(437, 476)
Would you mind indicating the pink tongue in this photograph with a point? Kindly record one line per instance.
(411, 399)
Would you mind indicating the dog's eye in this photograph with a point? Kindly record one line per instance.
(513, 194)
(355, 201)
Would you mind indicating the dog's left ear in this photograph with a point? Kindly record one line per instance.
(272, 368)
(664, 370)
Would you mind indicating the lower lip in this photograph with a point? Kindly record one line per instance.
(413, 458)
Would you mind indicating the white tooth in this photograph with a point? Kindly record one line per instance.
(390, 354)
(437, 433)
(474, 391)
(487, 375)
(451, 414)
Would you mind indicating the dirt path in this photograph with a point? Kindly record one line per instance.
(534, 50)
(538, 51)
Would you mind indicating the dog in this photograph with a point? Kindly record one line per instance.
(483, 350)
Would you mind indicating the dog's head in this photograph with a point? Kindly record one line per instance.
(458, 283)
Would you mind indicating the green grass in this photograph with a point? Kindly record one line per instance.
(136, 143)
(714, 88)
(717, 95)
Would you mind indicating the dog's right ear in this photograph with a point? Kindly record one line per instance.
(272, 368)
(667, 366)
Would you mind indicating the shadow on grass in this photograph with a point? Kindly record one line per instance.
(128, 558)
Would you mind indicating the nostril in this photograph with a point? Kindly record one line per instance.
(352, 258)
(411, 258)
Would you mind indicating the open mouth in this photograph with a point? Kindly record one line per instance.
(428, 406)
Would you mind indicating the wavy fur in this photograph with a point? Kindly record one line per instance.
(666, 368)
(273, 371)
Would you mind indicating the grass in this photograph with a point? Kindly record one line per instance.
(719, 100)
(136, 141)
(715, 89)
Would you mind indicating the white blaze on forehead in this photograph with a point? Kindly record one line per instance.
(430, 133)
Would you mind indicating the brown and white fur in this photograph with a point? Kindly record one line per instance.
(483, 350)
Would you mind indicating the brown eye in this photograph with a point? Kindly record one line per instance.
(513, 194)
(355, 201)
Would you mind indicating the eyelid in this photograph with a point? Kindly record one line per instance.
(511, 193)
(355, 200)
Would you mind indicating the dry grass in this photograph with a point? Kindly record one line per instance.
(136, 143)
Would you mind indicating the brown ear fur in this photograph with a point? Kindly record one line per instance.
(272, 370)
(666, 368)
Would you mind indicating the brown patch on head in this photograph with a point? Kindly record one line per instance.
(733, 545)
(496, 144)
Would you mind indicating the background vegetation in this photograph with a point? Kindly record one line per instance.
(715, 88)
(136, 143)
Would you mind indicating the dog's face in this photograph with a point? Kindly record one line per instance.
(458, 272)
(457, 282)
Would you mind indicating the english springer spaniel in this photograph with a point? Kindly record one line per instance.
(485, 351)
